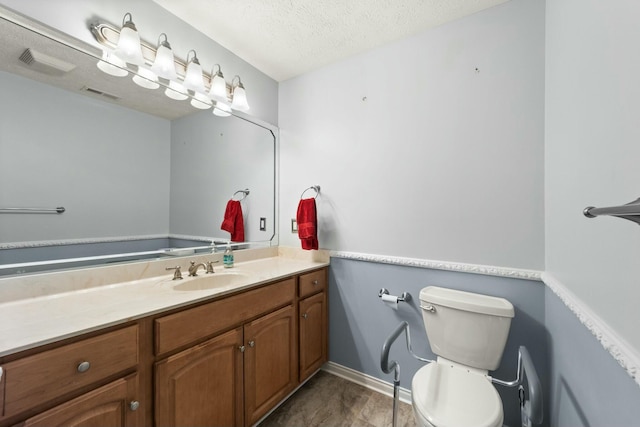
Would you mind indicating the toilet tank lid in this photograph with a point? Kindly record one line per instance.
(476, 303)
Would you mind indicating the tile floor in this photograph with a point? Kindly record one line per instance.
(328, 400)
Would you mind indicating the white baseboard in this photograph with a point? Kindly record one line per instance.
(367, 381)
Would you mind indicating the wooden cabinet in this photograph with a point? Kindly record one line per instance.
(112, 405)
(42, 377)
(234, 378)
(1, 392)
(224, 362)
(202, 386)
(313, 327)
(270, 362)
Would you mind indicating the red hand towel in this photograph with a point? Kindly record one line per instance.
(233, 222)
(307, 224)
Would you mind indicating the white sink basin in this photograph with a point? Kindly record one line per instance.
(211, 281)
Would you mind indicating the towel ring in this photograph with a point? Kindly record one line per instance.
(315, 188)
(244, 192)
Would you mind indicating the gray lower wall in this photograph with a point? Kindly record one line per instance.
(359, 322)
(583, 385)
(588, 388)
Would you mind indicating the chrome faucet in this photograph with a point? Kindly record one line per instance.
(210, 266)
(177, 274)
(193, 269)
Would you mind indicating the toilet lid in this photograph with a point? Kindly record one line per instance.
(449, 396)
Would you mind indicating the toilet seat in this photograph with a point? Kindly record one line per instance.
(448, 396)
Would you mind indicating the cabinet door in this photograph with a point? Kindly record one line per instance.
(202, 386)
(113, 405)
(270, 361)
(313, 334)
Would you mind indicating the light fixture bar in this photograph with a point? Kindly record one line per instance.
(108, 35)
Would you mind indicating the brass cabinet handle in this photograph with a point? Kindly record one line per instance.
(84, 366)
(241, 348)
(134, 405)
(305, 315)
(315, 282)
(252, 343)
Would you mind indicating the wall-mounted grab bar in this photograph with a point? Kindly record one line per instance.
(57, 210)
(630, 211)
(393, 366)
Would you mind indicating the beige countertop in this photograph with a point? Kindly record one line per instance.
(28, 322)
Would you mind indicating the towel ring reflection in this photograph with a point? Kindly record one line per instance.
(315, 188)
(244, 192)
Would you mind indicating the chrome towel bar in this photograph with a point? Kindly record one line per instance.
(57, 210)
(630, 211)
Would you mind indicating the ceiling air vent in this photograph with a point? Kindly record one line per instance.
(45, 64)
(100, 93)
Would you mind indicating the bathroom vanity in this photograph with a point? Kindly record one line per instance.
(224, 355)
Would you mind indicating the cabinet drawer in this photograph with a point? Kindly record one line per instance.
(36, 379)
(312, 283)
(180, 329)
(107, 406)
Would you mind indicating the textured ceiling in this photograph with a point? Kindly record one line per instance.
(286, 38)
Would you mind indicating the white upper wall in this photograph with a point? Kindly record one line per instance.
(592, 152)
(74, 16)
(430, 147)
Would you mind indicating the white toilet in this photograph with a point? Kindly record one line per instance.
(468, 333)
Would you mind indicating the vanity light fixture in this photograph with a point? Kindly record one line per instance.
(177, 91)
(238, 95)
(128, 48)
(218, 91)
(201, 101)
(112, 65)
(156, 65)
(164, 65)
(146, 78)
(222, 110)
(193, 79)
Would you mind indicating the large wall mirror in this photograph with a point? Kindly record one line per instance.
(139, 175)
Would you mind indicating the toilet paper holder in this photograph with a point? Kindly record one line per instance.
(405, 297)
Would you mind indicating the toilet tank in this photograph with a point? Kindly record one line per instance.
(465, 327)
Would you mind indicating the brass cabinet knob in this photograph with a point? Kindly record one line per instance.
(134, 405)
(305, 315)
(252, 343)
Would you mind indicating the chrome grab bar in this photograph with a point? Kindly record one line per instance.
(526, 368)
(394, 366)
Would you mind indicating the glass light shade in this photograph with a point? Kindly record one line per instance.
(201, 101)
(239, 99)
(176, 91)
(222, 110)
(193, 79)
(129, 48)
(164, 65)
(112, 65)
(218, 89)
(146, 79)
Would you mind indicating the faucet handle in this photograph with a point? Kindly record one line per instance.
(177, 274)
(210, 266)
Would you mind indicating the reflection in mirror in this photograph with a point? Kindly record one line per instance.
(140, 176)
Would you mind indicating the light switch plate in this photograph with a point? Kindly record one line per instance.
(263, 224)
(294, 226)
